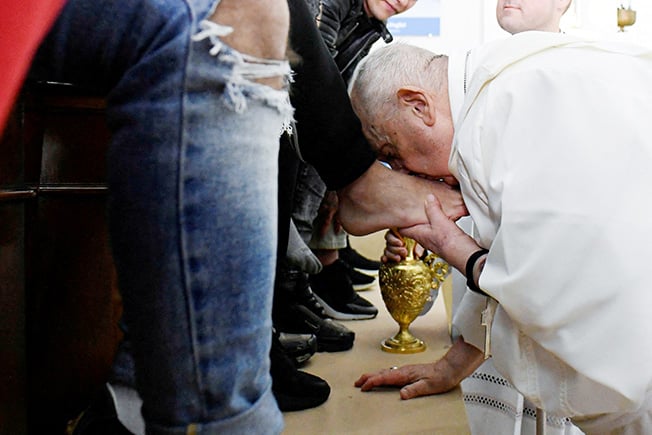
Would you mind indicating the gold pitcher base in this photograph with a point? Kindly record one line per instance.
(393, 345)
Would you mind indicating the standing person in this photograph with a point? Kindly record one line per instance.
(327, 131)
(349, 29)
(534, 156)
(486, 393)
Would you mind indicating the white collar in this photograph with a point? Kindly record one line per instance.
(456, 81)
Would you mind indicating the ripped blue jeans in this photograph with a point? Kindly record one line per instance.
(192, 172)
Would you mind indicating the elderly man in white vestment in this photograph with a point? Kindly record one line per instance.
(492, 404)
(552, 149)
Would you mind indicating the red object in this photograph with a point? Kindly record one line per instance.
(23, 25)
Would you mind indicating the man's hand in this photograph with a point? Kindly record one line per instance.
(442, 236)
(427, 379)
(382, 198)
(395, 249)
(415, 379)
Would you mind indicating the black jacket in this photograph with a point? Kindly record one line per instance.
(348, 32)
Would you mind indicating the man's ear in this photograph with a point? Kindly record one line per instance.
(419, 103)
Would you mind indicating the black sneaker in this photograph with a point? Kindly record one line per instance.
(296, 310)
(361, 281)
(294, 389)
(358, 261)
(299, 347)
(333, 289)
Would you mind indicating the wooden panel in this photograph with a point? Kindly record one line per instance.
(13, 192)
(59, 270)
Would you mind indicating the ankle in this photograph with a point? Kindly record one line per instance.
(327, 256)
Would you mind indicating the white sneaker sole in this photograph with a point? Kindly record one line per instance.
(371, 272)
(361, 287)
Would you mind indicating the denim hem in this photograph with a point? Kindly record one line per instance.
(263, 417)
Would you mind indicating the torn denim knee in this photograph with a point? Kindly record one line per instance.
(246, 69)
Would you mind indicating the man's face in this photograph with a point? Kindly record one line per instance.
(383, 9)
(410, 146)
(516, 16)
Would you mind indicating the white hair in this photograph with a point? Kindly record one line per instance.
(385, 70)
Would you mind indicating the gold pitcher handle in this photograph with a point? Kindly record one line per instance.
(439, 268)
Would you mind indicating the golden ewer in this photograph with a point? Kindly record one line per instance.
(406, 287)
(626, 17)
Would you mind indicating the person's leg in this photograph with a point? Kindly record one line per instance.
(309, 192)
(288, 171)
(313, 215)
(332, 285)
(328, 246)
(215, 294)
(192, 177)
(299, 254)
(295, 308)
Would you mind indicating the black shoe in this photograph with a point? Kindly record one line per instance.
(334, 291)
(100, 418)
(361, 281)
(293, 389)
(331, 336)
(299, 347)
(296, 310)
(357, 261)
